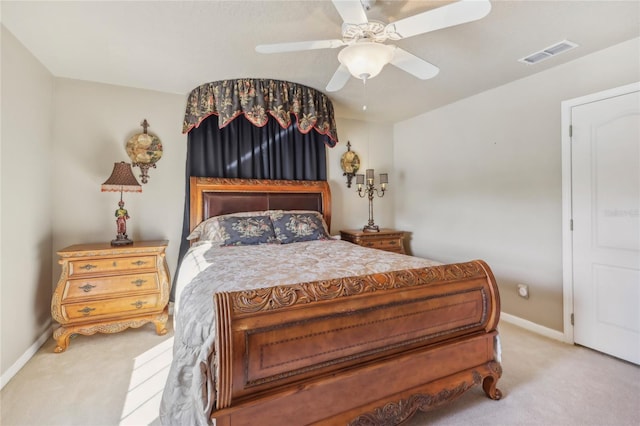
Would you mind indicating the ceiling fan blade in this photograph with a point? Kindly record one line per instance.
(299, 45)
(339, 79)
(351, 11)
(446, 16)
(414, 65)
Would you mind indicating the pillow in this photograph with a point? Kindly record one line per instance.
(242, 231)
(209, 229)
(297, 226)
(276, 214)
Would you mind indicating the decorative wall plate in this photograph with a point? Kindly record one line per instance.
(350, 164)
(145, 150)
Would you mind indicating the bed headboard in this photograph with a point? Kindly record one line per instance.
(216, 196)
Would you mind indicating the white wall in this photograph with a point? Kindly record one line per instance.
(25, 226)
(481, 178)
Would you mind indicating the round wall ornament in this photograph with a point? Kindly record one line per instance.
(350, 163)
(145, 150)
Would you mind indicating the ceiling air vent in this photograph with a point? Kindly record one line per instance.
(534, 58)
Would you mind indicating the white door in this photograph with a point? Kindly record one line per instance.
(605, 160)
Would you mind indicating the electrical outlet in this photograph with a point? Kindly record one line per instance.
(523, 291)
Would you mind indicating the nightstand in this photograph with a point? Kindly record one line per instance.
(107, 289)
(387, 239)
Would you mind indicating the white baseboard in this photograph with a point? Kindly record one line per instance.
(532, 326)
(29, 353)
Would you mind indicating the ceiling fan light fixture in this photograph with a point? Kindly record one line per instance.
(366, 59)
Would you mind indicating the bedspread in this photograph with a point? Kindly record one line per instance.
(190, 389)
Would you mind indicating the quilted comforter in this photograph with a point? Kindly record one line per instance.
(189, 393)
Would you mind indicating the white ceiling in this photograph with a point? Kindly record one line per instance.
(175, 46)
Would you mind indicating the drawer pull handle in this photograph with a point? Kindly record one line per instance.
(369, 244)
(88, 267)
(86, 311)
(139, 263)
(138, 304)
(138, 282)
(87, 287)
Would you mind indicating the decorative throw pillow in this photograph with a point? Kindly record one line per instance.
(209, 229)
(242, 231)
(297, 227)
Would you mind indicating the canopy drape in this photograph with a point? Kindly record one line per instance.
(257, 99)
(242, 150)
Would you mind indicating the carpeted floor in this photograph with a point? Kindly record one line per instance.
(118, 379)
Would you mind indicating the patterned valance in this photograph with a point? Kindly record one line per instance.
(255, 98)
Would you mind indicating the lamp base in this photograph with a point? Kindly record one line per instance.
(371, 228)
(121, 241)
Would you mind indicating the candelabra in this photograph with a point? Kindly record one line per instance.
(368, 189)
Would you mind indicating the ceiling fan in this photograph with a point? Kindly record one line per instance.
(365, 52)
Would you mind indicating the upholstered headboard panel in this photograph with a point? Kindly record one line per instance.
(217, 203)
(216, 196)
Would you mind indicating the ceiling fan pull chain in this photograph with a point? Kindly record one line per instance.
(364, 94)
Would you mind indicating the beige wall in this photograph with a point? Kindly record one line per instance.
(498, 152)
(62, 136)
(25, 226)
(374, 144)
(92, 123)
(481, 178)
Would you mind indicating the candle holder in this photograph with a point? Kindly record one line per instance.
(368, 189)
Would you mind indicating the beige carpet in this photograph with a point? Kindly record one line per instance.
(117, 380)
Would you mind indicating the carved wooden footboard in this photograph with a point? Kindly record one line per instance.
(366, 350)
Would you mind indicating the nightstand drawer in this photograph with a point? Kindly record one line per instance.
(129, 305)
(382, 244)
(100, 286)
(114, 264)
(386, 239)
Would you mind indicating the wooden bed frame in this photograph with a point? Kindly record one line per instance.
(367, 350)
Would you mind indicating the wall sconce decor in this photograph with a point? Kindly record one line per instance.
(350, 163)
(145, 150)
(369, 189)
(123, 180)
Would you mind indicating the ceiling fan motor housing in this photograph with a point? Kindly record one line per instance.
(372, 31)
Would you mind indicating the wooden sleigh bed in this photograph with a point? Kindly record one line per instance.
(355, 350)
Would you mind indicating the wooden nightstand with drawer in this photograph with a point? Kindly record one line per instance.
(386, 239)
(107, 289)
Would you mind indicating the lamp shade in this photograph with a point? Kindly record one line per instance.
(366, 59)
(121, 179)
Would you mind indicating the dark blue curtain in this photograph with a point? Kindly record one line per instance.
(242, 150)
